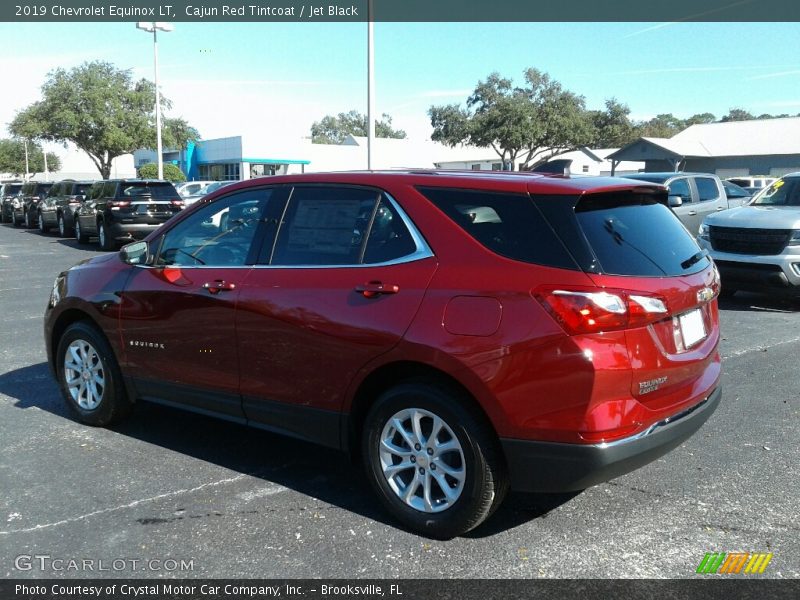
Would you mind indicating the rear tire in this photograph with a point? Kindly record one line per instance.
(106, 243)
(43, 227)
(27, 220)
(442, 477)
(63, 230)
(14, 221)
(89, 376)
(81, 237)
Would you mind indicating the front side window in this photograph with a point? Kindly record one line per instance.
(706, 189)
(340, 226)
(218, 235)
(680, 187)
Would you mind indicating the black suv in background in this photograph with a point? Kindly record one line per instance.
(9, 191)
(57, 209)
(120, 210)
(26, 210)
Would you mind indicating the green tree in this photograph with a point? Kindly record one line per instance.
(171, 172)
(700, 119)
(529, 124)
(333, 130)
(612, 126)
(738, 114)
(101, 110)
(661, 126)
(12, 158)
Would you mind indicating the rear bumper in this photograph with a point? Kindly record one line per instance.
(556, 467)
(130, 231)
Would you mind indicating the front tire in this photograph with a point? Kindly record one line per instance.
(434, 463)
(89, 376)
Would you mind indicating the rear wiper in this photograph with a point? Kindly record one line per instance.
(695, 258)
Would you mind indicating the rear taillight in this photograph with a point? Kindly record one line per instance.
(177, 203)
(118, 203)
(594, 311)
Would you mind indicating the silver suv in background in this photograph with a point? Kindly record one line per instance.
(757, 247)
(692, 196)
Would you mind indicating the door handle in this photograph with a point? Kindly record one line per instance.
(692, 213)
(214, 287)
(373, 289)
(719, 208)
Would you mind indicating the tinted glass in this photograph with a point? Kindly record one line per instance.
(109, 189)
(389, 238)
(654, 177)
(96, 191)
(325, 226)
(706, 188)
(218, 235)
(164, 191)
(680, 187)
(734, 191)
(632, 234)
(784, 192)
(81, 189)
(507, 224)
(11, 188)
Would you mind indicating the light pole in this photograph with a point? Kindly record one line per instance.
(370, 84)
(154, 27)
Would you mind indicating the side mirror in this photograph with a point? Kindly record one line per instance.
(675, 201)
(137, 253)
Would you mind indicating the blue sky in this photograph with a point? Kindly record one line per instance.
(276, 79)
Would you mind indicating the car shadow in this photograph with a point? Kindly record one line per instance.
(752, 302)
(318, 472)
(73, 243)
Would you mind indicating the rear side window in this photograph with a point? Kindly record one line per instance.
(706, 188)
(633, 234)
(507, 224)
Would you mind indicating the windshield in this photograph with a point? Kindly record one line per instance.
(784, 192)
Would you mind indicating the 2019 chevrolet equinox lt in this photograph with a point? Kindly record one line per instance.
(463, 333)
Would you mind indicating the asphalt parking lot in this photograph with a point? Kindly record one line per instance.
(232, 502)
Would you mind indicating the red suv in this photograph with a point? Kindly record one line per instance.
(465, 333)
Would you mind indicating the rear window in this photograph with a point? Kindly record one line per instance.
(81, 189)
(153, 190)
(12, 188)
(507, 224)
(634, 234)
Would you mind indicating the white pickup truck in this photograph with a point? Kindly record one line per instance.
(692, 196)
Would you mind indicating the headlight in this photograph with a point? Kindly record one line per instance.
(702, 233)
(795, 239)
(55, 293)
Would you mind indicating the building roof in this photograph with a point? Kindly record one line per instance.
(745, 138)
(758, 137)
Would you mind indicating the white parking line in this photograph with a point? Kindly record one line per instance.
(761, 348)
(124, 506)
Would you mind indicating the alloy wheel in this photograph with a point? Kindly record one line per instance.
(84, 374)
(422, 460)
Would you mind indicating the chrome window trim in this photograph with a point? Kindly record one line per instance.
(422, 251)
